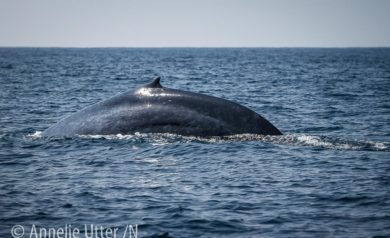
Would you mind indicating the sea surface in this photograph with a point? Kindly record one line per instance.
(327, 176)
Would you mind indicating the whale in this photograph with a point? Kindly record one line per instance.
(153, 108)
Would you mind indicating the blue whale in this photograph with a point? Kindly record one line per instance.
(153, 108)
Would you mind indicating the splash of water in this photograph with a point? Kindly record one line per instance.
(315, 141)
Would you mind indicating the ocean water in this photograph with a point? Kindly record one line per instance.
(327, 176)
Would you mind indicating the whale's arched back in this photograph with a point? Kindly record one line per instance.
(156, 109)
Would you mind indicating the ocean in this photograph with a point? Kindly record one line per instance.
(327, 176)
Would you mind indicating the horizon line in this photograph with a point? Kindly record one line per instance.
(195, 47)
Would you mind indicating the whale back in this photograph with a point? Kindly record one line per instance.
(153, 108)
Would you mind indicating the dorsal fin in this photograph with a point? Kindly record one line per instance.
(155, 83)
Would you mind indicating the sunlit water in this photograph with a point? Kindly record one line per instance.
(327, 176)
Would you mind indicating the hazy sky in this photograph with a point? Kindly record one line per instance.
(196, 23)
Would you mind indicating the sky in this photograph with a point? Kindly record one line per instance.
(195, 23)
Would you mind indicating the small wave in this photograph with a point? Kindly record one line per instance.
(315, 141)
(153, 138)
(109, 137)
(318, 141)
(35, 135)
(324, 142)
(331, 143)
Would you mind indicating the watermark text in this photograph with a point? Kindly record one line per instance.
(69, 231)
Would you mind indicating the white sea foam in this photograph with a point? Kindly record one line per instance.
(318, 141)
(160, 139)
(108, 137)
(35, 135)
(331, 143)
(379, 145)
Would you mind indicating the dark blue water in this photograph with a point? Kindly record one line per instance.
(328, 176)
